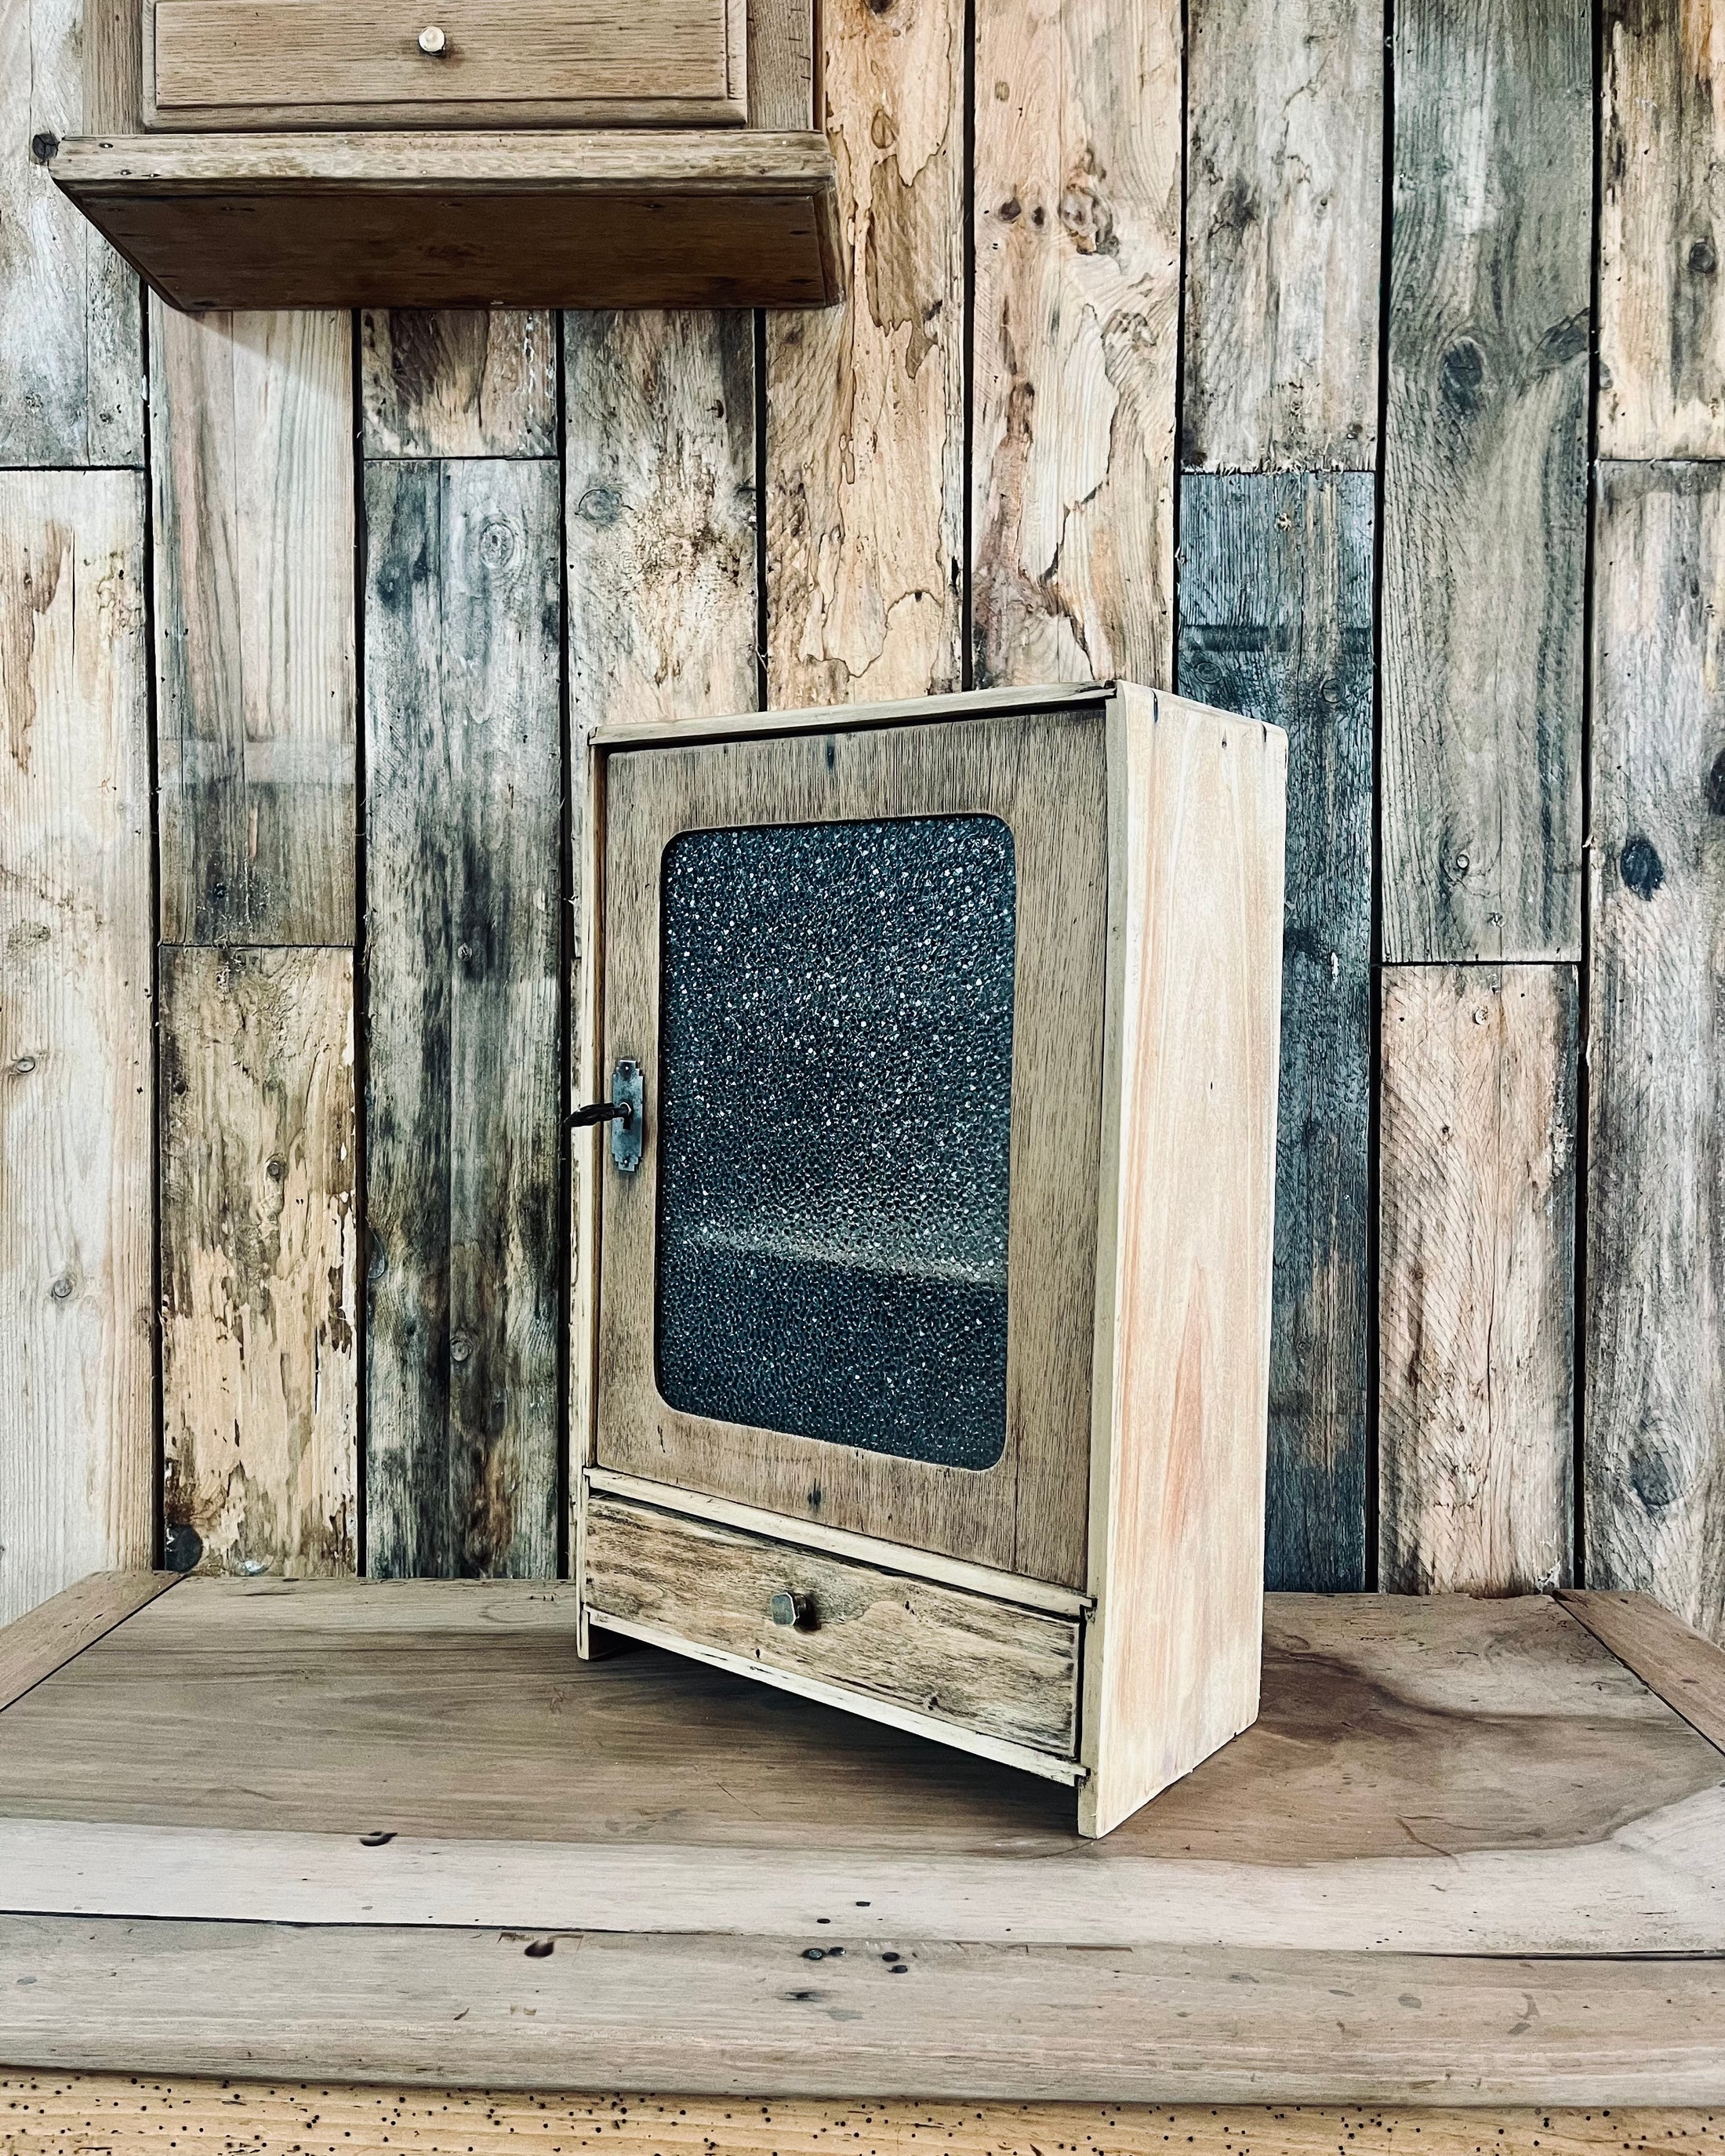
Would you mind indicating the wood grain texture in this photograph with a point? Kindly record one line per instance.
(660, 515)
(1077, 234)
(259, 1260)
(252, 429)
(1043, 777)
(76, 1351)
(1276, 621)
(710, 2014)
(34, 1646)
(1499, 1731)
(1655, 1447)
(464, 1030)
(1007, 1673)
(864, 449)
(781, 64)
(353, 63)
(69, 2114)
(1476, 1279)
(692, 217)
(471, 383)
(71, 360)
(1661, 221)
(1682, 1666)
(1485, 505)
(1284, 214)
(1185, 1232)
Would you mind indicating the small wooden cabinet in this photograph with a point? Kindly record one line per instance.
(928, 1217)
(465, 153)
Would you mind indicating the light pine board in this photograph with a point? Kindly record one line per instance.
(659, 517)
(254, 533)
(1662, 226)
(71, 357)
(1476, 1281)
(76, 1351)
(1654, 1453)
(463, 805)
(1484, 504)
(259, 1260)
(1276, 621)
(1077, 240)
(1185, 1228)
(865, 448)
(58, 2114)
(459, 382)
(1284, 213)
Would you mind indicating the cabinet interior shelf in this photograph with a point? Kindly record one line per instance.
(572, 219)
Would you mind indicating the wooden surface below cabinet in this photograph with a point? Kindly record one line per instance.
(267, 64)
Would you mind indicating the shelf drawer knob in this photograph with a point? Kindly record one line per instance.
(431, 40)
(785, 1608)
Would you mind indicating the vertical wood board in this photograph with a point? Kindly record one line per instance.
(1284, 215)
(258, 1262)
(253, 425)
(782, 66)
(1484, 500)
(459, 382)
(71, 355)
(1195, 840)
(1276, 621)
(463, 814)
(1077, 234)
(1655, 1450)
(865, 445)
(1476, 1280)
(76, 1350)
(1661, 229)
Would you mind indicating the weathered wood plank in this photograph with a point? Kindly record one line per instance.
(1078, 177)
(1284, 214)
(76, 1353)
(259, 1259)
(460, 382)
(1661, 222)
(864, 450)
(1476, 1275)
(464, 1030)
(34, 1646)
(71, 359)
(660, 515)
(1687, 1670)
(52, 2114)
(781, 65)
(252, 431)
(1276, 621)
(750, 2016)
(1485, 507)
(1655, 1449)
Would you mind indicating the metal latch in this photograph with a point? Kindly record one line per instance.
(625, 1112)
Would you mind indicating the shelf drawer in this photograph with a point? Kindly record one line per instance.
(361, 63)
(1007, 1674)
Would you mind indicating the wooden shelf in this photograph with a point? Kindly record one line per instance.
(395, 1831)
(618, 218)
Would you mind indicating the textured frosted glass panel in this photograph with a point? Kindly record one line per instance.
(834, 1121)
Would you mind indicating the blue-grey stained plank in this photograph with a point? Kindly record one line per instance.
(1276, 621)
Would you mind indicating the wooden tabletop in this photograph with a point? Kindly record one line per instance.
(397, 1831)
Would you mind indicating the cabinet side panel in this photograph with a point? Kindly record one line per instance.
(1183, 1335)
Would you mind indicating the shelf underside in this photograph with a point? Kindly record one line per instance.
(570, 219)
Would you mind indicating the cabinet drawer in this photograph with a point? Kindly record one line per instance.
(500, 63)
(1006, 1673)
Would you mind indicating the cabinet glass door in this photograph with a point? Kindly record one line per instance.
(834, 1131)
(847, 1250)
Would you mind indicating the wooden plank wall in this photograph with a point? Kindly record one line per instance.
(1374, 388)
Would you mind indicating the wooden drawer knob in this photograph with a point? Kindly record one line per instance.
(431, 40)
(785, 1608)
